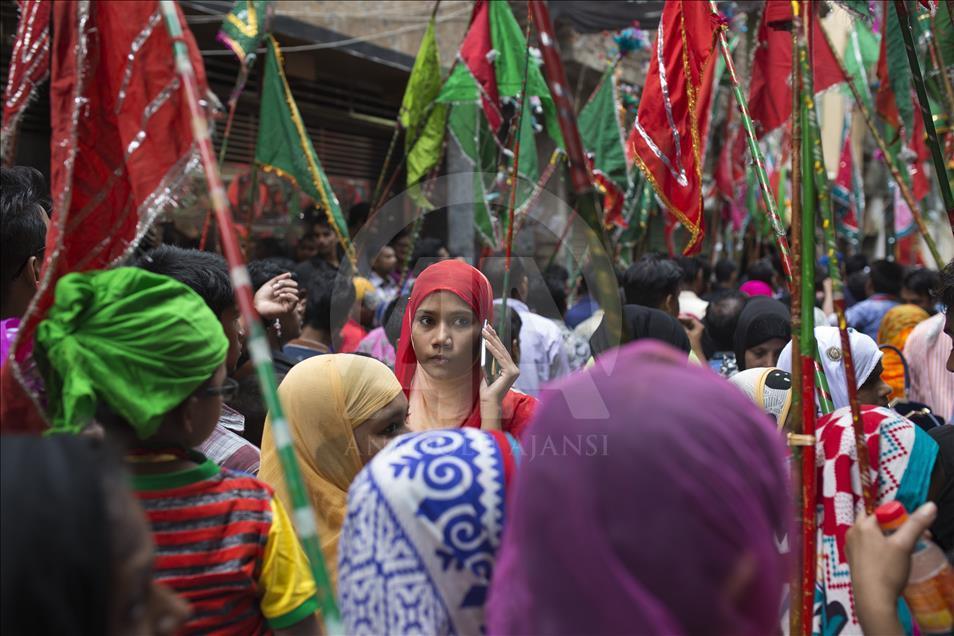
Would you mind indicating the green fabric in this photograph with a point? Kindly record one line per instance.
(857, 7)
(469, 128)
(601, 133)
(899, 70)
(424, 120)
(139, 342)
(861, 55)
(244, 27)
(284, 147)
(205, 469)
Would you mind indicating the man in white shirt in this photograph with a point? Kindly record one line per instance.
(542, 356)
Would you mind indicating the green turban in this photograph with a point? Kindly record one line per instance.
(139, 342)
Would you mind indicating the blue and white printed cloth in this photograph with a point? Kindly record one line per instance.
(418, 545)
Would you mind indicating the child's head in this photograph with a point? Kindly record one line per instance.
(138, 349)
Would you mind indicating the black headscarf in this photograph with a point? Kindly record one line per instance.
(643, 322)
(762, 319)
(55, 542)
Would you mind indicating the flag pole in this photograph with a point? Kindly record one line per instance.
(796, 582)
(892, 168)
(302, 513)
(940, 170)
(758, 160)
(838, 295)
(587, 206)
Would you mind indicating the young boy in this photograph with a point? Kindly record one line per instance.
(146, 356)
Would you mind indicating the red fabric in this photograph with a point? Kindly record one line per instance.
(684, 47)
(104, 173)
(845, 179)
(770, 93)
(29, 65)
(471, 286)
(885, 102)
(919, 180)
(351, 336)
(473, 52)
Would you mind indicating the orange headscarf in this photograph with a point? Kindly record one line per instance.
(895, 328)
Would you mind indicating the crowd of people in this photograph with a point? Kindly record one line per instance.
(480, 454)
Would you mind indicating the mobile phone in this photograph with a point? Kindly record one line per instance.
(489, 366)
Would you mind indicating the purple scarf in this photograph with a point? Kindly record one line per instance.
(643, 527)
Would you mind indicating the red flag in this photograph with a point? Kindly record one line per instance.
(885, 102)
(668, 138)
(29, 67)
(919, 181)
(121, 146)
(770, 93)
(475, 53)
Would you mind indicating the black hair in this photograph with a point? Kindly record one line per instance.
(494, 267)
(425, 253)
(886, 277)
(270, 247)
(722, 317)
(206, 273)
(855, 263)
(724, 270)
(945, 286)
(23, 200)
(393, 316)
(857, 283)
(761, 270)
(58, 542)
(260, 272)
(557, 272)
(516, 324)
(690, 267)
(329, 301)
(922, 281)
(548, 296)
(358, 215)
(649, 280)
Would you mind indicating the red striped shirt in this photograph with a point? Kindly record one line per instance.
(210, 527)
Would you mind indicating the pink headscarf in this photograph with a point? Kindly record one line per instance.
(756, 288)
(660, 508)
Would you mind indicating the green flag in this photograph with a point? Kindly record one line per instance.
(422, 117)
(244, 27)
(507, 51)
(284, 148)
(602, 134)
(899, 71)
(861, 55)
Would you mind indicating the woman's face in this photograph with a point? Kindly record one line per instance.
(385, 424)
(874, 390)
(765, 354)
(139, 604)
(445, 334)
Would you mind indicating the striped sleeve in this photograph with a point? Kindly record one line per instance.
(288, 589)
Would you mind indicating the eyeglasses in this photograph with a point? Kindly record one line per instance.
(228, 389)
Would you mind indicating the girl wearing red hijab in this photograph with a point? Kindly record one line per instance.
(438, 356)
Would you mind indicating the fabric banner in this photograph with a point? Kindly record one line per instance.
(244, 27)
(668, 139)
(121, 149)
(283, 145)
(29, 67)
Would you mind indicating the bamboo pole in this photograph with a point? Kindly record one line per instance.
(757, 159)
(796, 593)
(302, 513)
(940, 170)
(893, 169)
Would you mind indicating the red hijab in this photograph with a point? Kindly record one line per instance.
(471, 286)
